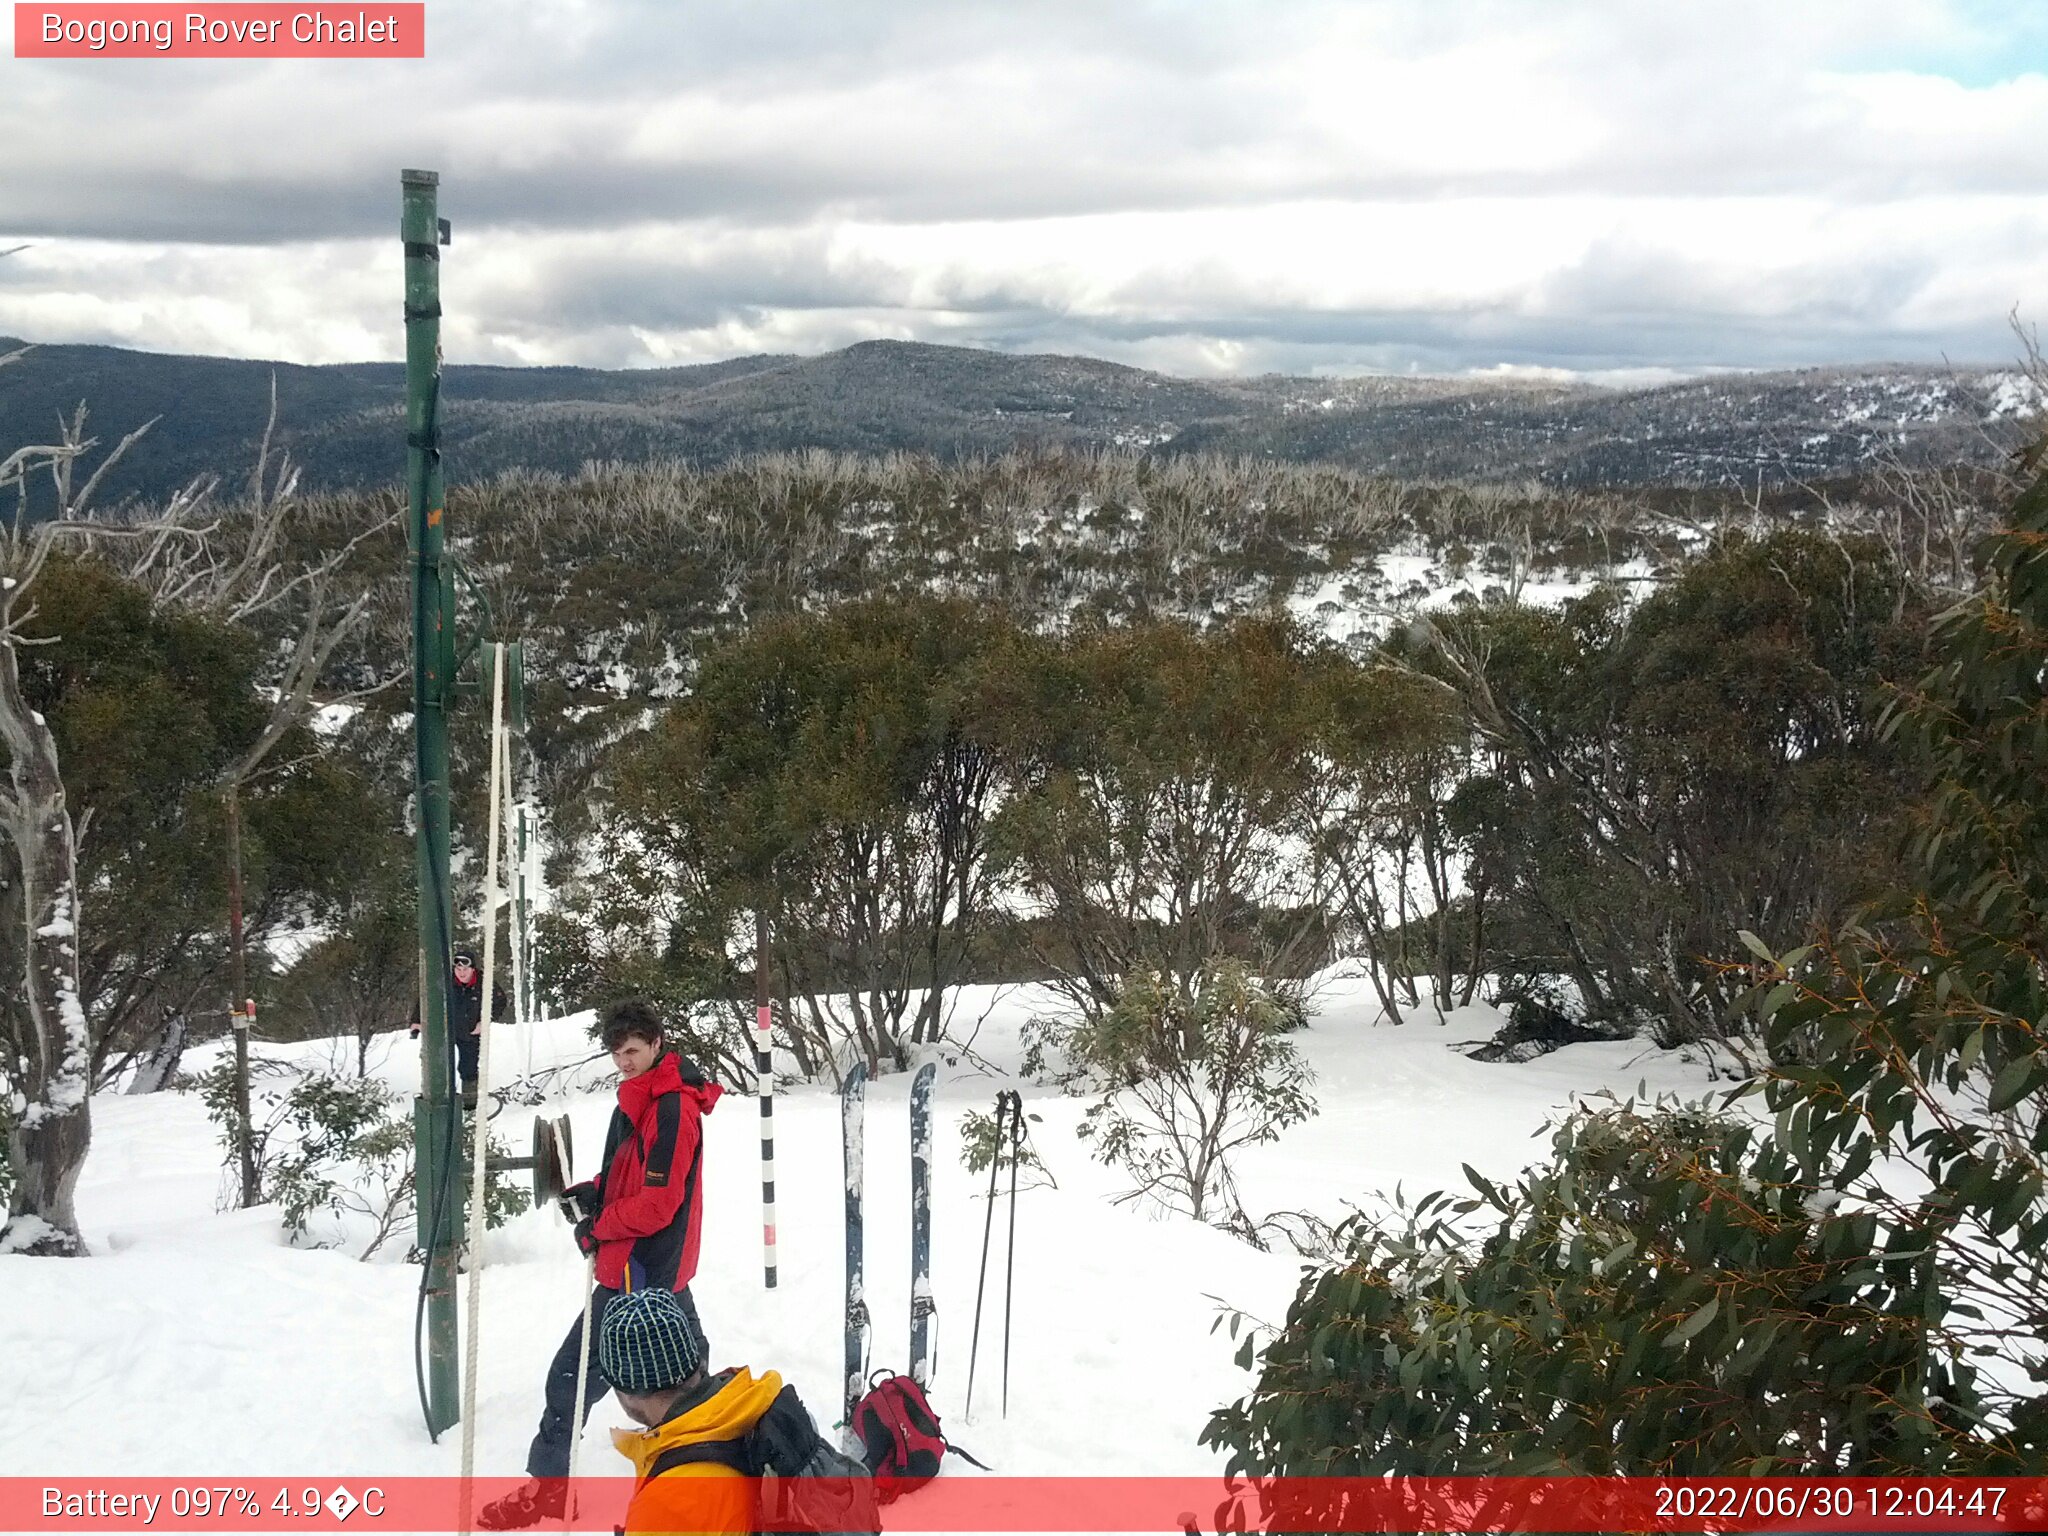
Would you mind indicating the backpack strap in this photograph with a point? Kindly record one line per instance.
(967, 1456)
(726, 1453)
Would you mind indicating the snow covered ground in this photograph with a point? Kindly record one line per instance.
(193, 1342)
(1359, 606)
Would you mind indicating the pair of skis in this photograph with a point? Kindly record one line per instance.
(852, 1096)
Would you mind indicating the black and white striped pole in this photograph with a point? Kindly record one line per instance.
(764, 1072)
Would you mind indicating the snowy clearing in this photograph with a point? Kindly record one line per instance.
(193, 1342)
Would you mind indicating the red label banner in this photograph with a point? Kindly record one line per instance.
(1207, 1506)
(216, 31)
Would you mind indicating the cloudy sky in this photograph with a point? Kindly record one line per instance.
(1619, 188)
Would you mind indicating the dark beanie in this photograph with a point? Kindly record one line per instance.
(646, 1344)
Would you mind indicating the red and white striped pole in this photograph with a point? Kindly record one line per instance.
(764, 1072)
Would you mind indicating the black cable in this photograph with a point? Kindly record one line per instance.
(448, 1154)
(444, 962)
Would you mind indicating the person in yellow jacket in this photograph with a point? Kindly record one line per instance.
(650, 1354)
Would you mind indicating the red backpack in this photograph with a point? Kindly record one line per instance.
(900, 1435)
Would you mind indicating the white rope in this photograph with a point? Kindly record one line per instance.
(536, 891)
(582, 1387)
(478, 1141)
(515, 877)
(521, 910)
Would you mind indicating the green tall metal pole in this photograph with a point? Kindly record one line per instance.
(436, 1146)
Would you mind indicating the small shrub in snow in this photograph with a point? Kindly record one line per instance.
(979, 1148)
(334, 1146)
(1194, 1077)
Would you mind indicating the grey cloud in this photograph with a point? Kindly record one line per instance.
(1392, 342)
(1606, 316)
(693, 291)
(755, 128)
(540, 117)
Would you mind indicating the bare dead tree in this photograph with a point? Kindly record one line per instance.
(1501, 517)
(230, 565)
(235, 569)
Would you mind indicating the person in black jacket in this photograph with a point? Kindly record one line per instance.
(465, 1019)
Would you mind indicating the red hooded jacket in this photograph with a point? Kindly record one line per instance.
(652, 1184)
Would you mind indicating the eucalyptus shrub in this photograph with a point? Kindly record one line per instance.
(1669, 1295)
(1854, 1286)
(1915, 1037)
(334, 1144)
(1192, 1076)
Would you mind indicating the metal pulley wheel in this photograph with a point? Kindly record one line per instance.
(552, 1160)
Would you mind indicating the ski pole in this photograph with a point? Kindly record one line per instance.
(987, 1226)
(1010, 1258)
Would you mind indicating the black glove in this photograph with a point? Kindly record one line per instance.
(580, 1200)
(586, 1235)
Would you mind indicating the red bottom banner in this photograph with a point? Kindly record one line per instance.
(1206, 1506)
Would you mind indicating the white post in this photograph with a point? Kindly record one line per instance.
(478, 1140)
(764, 1056)
(515, 867)
(764, 1073)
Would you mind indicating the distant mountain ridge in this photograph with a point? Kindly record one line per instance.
(343, 422)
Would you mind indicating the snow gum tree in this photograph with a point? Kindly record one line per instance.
(836, 771)
(1915, 1034)
(1388, 829)
(146, 707)
(1163, 819)
(1672, 1294)
(1652, 779)
(49, 1077)
(128, 699)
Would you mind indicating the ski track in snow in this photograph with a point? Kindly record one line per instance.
(197, 1343)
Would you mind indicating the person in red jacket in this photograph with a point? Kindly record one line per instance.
(641, 1217)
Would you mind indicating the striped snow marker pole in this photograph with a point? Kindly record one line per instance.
(764, 1072)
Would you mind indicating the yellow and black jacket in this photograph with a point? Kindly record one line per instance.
(675, 1494)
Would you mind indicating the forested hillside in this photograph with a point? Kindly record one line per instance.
(343, 422)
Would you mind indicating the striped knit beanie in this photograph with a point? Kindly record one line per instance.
(646, 1344)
